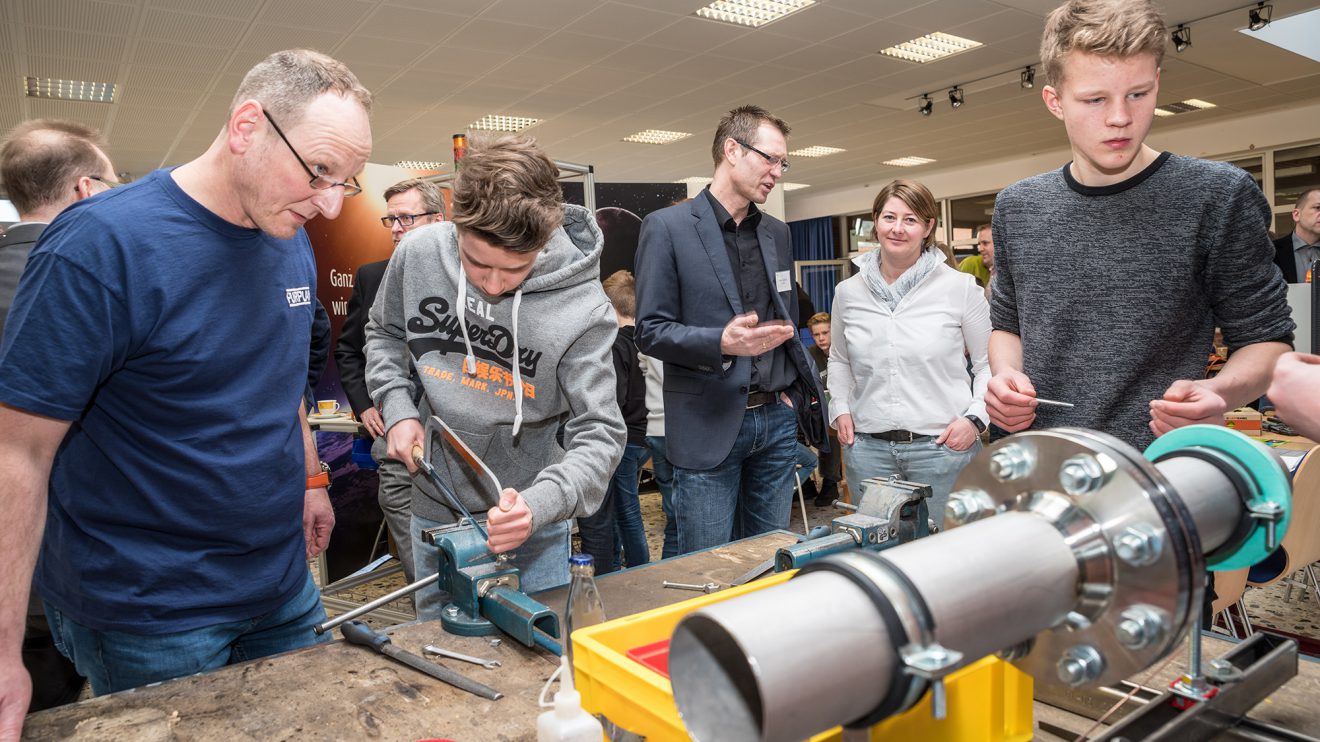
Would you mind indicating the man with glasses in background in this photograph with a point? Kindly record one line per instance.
(409, 204)
(151, 376)
(717, 303)
(45, 165)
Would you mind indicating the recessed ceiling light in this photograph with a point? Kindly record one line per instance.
(419, 164)
(93, 92)
(656, 136)
(1186, 106)
(794, 186)
(908, 161)
(816, 151)
(754, 13)
(696, 180)
(930, 47)
(497, 122)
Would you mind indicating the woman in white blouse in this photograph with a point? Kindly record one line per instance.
(901, 396)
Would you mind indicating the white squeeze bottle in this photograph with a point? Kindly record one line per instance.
(567, 721)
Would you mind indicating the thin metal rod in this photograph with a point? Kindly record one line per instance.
(378, 602)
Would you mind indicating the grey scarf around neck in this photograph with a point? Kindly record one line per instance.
(891, 294)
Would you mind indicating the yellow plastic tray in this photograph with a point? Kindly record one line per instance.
(988, 701)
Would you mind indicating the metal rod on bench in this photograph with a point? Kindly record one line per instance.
(377, 603)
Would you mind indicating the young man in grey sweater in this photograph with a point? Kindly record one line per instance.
(1113, 271)
(500, 317)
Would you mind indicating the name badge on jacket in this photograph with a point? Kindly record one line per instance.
(782, 282)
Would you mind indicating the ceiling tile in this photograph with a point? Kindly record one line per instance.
(79, 15)
(362, 48)
(187, 28)
(550, 14)
(576, 47)
(411, 24)
(327, 14)
(484, 34)
(268, 38)
(623, 22)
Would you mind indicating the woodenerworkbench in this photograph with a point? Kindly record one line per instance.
(343, 692)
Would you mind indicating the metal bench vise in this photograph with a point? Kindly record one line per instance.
(889, 512)
(484, 591)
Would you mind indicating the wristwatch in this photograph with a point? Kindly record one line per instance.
(319, 479)
(980, 426)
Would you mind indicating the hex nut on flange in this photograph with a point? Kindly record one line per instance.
(1080, 664)
(1081, 475)
(967, 505)
(1139, 545)
(1011, 462)
(1140, 626)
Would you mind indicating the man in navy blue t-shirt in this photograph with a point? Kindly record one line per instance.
(151, 377)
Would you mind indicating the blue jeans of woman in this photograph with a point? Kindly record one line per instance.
(920, 461)
(117, 660)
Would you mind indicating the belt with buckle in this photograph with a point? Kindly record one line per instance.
(760, 399)
(898, 436)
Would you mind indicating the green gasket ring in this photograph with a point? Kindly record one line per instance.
(1271, 481)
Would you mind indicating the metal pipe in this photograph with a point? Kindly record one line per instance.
(775, 659)
(1213, 501)
(739, 676)
(373, 605)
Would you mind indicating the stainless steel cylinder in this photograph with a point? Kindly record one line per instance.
(795, 659)
(782, 659)
(1213, 501)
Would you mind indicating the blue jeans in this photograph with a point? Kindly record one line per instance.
(619, 519)
(920, 461)
(542, 561)
(116, 660)
(748, 493)
(664, 481)
(808, 460)
(627, 509)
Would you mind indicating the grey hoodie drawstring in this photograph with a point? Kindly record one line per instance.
(517, 367)
(470, 362)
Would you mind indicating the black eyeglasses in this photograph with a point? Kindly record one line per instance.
(783, 164)
(319, 182)
(108, 183)
(404, 220)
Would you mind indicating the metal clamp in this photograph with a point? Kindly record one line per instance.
(932, 663)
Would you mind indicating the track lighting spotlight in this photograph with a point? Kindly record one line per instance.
(1028, 78)
(926, 105)
(1259, 16)
(1182, 38)
(955, 96)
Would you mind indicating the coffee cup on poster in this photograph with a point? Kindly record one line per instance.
(327, 406)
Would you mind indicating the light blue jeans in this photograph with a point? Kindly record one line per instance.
(117, 660)
(749, 493)
(920, 461)
(542, 561)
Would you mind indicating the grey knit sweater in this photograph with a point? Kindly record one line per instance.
(1116, 291)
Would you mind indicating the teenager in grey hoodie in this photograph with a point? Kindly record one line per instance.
(515, 269)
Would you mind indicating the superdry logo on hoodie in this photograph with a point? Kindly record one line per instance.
(494, 343)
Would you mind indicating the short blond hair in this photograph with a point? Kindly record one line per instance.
(621, 289)
(819, 318)
(507, 193)
(1115, 29)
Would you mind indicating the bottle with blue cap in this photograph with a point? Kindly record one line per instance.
(585, 607)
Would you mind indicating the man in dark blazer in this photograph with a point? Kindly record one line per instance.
(46, 165)
(1294, 252)
(716, 301)
(409, 204)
